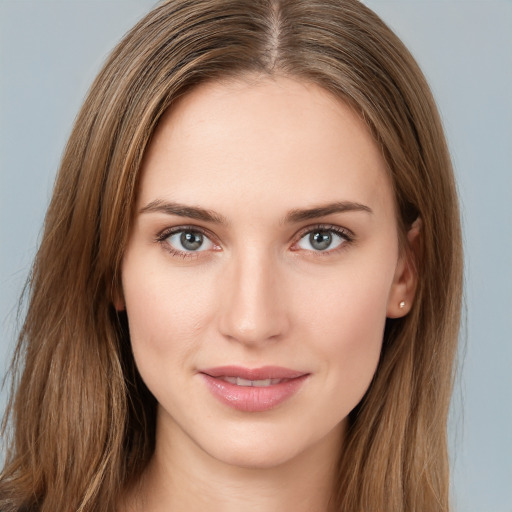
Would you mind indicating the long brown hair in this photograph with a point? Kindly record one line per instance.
(81, 420)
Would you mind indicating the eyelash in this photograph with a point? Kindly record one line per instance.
(344, 233)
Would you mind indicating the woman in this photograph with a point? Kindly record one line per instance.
(247, 294)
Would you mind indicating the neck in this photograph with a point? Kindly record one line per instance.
(181, 476)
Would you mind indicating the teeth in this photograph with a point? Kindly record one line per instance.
(251, 383)
(245, 382)
(260, 383)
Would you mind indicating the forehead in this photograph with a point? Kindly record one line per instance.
(290, 142)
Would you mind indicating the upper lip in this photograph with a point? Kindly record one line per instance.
(262, 373)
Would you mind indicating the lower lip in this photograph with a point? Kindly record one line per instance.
(252, 398)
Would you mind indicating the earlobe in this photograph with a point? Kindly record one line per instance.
(402, 292)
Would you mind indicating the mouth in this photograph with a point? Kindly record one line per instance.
(253, 389)
(261, 383)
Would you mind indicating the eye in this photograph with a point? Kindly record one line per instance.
(322, 239)
(184, 241)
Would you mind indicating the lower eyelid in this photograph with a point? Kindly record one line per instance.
(182, 254)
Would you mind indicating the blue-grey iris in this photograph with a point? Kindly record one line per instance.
(191, 240)
(320, 240)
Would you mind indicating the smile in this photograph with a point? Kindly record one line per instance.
(253, 390)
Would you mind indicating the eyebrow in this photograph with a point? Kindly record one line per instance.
(293, 216)
(299, 215)
(192, 212)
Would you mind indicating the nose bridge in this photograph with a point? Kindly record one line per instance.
(251, 309)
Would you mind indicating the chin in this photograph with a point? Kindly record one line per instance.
(260, 457)
(271, 449)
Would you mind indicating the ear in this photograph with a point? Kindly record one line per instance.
(118, 298)
(405, 281)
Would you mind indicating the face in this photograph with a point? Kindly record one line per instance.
(262, 263)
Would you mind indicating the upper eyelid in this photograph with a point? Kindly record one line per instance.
(166, 232)
(325, 227)
(304, 230)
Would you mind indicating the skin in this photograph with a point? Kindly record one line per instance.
(258, 292)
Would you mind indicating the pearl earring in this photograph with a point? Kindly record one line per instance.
(402, 304)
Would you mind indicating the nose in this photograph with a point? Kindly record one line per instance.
(252, 305)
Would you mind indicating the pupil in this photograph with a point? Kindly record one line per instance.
(320, 240)
(190, 240)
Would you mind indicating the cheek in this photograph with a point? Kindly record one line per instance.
(345, 322)
(166, 312)
(352, 299)
(349, 327)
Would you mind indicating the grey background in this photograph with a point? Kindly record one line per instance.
(49, 54)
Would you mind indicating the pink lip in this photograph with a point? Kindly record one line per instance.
(252, 398)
